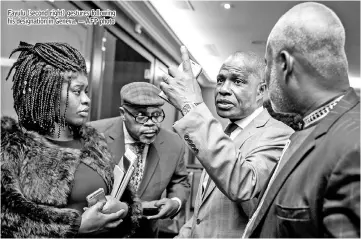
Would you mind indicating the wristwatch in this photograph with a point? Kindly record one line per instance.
(188, 106)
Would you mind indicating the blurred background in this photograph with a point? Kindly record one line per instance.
(146, 38)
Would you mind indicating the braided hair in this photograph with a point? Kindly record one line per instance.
(40, 72)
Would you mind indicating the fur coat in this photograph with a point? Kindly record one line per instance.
(36, 181)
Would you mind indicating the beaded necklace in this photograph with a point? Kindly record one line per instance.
(320, 113)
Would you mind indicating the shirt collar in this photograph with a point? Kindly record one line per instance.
(127, 138)
(246, 121)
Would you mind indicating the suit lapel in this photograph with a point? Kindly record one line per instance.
(249, 130)
(151, 163)
(115, 139)
(210, 189)
(293, 160)
(198, 202)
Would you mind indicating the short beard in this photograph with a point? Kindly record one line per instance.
(147, 141)
(280, 98)
(292, 120)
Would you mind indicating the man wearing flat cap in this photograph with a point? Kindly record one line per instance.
(160, 152)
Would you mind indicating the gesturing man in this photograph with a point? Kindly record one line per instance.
(250, 146)
(315, 189)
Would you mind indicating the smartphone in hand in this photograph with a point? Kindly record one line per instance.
(97, 196)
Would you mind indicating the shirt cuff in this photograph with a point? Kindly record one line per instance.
(179, 201)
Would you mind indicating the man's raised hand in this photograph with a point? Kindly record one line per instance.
(181, 87)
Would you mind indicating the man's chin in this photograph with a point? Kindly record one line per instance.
(147, 140)
(224, 113)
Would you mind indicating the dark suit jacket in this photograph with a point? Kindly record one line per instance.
(165, 168)
(316, 192)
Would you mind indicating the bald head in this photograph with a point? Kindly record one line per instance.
(251, 63)
(315, 37)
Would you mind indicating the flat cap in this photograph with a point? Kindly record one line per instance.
(140, 94)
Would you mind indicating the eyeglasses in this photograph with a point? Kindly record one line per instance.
(142, 119)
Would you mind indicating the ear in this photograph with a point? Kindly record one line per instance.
(261, 89)
(287, 62)
(122, 113)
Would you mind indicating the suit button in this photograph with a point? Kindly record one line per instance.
(196, 150)
(186, 137)
(198, 221)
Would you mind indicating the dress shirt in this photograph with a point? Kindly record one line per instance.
(242, 123)
(128, 139)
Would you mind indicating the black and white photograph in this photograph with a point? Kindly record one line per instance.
(180, 119)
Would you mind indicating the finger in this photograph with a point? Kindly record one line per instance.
(157, 216)
(121, 213)
(160, 202)
(99, 205)
(174, 71)
(167, 78)
(113, 224)
(161, 214)
(85, 208)
(164, 87)
(115, 215)
(186, 62)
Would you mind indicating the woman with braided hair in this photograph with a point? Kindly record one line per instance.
(51, 160)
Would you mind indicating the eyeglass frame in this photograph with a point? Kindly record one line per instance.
(148, 117)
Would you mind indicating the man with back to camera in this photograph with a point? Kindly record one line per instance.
(315, 189)
(258, 140)
(161, 152)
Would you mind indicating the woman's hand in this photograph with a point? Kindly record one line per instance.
(114, 205)
(94, 220)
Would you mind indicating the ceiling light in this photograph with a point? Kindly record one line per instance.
(227, 6)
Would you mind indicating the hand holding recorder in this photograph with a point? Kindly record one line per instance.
(95, 221)
(122, 174)
(111, 204)
(160, 209)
